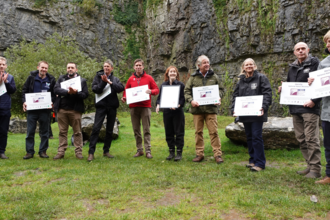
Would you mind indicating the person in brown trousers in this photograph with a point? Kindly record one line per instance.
(69, 105)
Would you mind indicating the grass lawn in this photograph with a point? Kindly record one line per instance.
(138, 188)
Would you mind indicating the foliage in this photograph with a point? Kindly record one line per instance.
(90, 6)
(127, 14)
(137, 188)
(57, 51)
(153, 3)
(39, 3)
(226, 100)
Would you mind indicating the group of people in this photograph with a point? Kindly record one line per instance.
(69, 106)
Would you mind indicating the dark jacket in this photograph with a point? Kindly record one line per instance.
(77, 99)
(5, 99)
(196, 80)
(300, 73)
(258, 84)
(29, 85)
(181, 95)
(110, 101)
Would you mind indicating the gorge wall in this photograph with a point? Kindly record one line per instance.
(176, 32)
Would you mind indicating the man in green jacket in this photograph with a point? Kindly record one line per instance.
(204, 76)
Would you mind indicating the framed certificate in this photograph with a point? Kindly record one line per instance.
(294, 93)
(321, 85)
(170, 97)
(137, 94)
(40, 100)
(106, 92)
(248, 105)
(3, 88)
(206, 95)
(74, 83)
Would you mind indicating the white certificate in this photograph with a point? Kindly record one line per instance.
(105, 93)
(206, 95)
(248, 105)
(137, 94)
(294, 93)
(321, 85)
(74, 83)
(3, 88)
(40, 100)
(170, 97)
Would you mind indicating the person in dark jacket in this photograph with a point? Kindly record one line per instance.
(69, 106)
(105, 107)
(5, 105)
(38, 81)
(252, 83)
(306, 117)
(173, 118)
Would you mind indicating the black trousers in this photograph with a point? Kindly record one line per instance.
(4, 127)
(174, 128)
(99, 118)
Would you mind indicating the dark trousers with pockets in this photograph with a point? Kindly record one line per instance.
(99, 118)
(326, 142)
(253, 131)
(174, 122)
(4, 127)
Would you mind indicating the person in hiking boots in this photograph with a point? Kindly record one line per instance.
(38, 81)
(325, 113)
(173, 118)
(306, 117)
(105, 107)
(252, 83)
(141, 111)
(69, 106)
(5, 105)
(204, 76)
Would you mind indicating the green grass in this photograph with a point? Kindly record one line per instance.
(138, 188)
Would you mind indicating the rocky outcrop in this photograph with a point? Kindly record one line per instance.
(17, 125)
(277, 133)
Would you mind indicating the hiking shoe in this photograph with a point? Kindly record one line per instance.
(58, 156)
(313, 175)
(256, 169)
(303, 172)
(325, 180)
(218, 159)
(90, 157)
(3, 156)
(43, 155)
(108, 155)
(28, 156)
(249, 165)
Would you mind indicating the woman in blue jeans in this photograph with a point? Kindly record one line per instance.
(252, 83)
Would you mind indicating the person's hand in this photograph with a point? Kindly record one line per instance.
(104, 78)
(234, 115)
(52, 106)
(310, 81)
(4, 78)
(175, 108)
(262, 112)
(194, 103)
(309, 104)
(148, 91)
(280, 88)
(157, 109)
(72, 91)
(219, 102)
(1, 77)
(24, 106)
(123, 99)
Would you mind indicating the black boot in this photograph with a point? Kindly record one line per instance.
(172, 155)
(178, 155)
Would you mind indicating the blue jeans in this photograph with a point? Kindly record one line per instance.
(34, 116)
(253, 131)
(326, 142)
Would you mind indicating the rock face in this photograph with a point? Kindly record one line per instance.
(277, 133)
(87, 123)
(17, 125)
(176, 32)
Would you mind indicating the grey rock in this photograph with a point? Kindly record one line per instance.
(277, 133)
(17, 125)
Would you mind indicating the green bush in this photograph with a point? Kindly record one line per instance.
(57, 51)
(128, 14)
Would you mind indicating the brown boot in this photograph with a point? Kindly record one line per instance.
(28, 156)
(79, 156)
(198, 159)
(108, 155)
(90, 157)
(58, 156)
(3, 156)
(218, 159)
(139, 154)
(303, 172)
(148, 155)
(313, 175)
(43, 155)
(325, 180)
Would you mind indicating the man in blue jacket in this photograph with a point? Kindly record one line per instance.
(5, 105)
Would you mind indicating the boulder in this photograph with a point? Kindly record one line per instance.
(278, 133)
(87, 123)
(17, 125)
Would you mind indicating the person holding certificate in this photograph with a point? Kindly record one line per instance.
(306, 117)
(253, 83)
(173, 118)
(205, 77)
(8, 87)
(39, 81)
(325, 113)
(69, 106)
(141, 110)
(107, 106)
